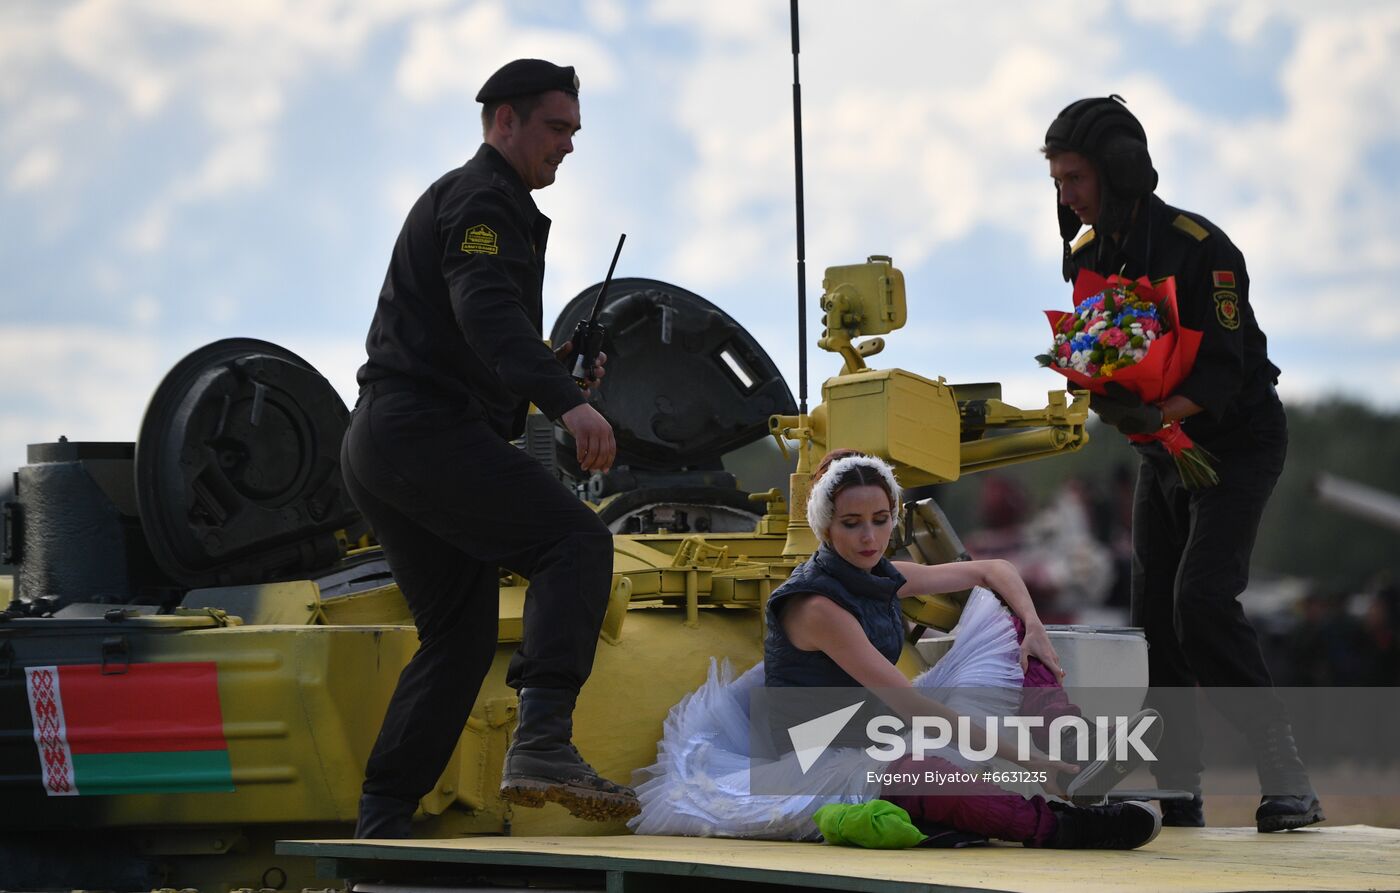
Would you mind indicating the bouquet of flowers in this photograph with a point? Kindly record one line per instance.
(1125, 332)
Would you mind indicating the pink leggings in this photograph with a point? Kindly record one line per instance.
(984, 808)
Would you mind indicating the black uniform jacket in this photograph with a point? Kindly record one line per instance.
(1232, 374)
(459, 315)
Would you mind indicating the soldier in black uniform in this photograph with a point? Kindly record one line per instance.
(1191, 549)
(455, 359)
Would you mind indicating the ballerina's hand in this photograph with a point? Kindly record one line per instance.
(1037, 644)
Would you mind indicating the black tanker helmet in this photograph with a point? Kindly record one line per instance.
(1105, 132)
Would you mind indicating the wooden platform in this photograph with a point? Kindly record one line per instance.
(1356, 857)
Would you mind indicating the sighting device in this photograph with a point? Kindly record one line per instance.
(587, 339)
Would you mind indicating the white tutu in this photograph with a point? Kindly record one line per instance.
(699, 784)
(981, 674)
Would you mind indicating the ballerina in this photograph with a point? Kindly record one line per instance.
(836, 623)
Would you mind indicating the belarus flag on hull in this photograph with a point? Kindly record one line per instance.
(153, 728)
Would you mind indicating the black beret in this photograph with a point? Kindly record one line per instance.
(525, 76)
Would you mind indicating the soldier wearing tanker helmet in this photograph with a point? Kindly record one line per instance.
(1191, 548)
(455, 359)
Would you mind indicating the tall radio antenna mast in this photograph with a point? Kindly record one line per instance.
(801, 225)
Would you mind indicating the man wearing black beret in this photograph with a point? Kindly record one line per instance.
(455, 360)
(1191, 548)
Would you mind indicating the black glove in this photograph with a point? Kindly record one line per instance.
(1125, 410)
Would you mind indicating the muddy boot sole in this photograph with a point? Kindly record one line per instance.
(584, 803)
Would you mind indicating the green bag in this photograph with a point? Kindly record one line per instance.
(877, 825)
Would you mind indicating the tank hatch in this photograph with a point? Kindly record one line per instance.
(238, 466)
(685, 382)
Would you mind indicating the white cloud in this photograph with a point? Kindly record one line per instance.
(145, 311)
(221, 310)
(1242, 20)
(892, 162)
(398, 193)
(608, 16)
(917, 137)
(1341, 312)
(453, 54)
(922, 123)
(147, 233)
(93, 384)
(725, 20)
(23, 37)
(240, 161)
(101, 38)
(225, 70)
(1183, 19)
(85, 383)
(35, 169)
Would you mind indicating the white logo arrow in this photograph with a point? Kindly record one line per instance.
(811, 738)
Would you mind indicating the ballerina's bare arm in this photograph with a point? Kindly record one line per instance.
(1002, 578)
(816, 623)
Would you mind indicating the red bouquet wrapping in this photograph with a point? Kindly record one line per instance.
(1151, 364)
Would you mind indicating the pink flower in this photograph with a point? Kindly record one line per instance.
(1064, 350)
(1114, 337)
(1151, 325)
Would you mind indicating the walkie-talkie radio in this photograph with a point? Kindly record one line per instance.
(588, 334)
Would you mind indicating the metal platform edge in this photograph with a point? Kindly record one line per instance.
(358, 859)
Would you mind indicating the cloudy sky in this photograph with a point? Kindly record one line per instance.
(177, 171)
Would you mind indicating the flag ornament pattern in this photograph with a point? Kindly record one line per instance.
(46, 710)
(155, 728)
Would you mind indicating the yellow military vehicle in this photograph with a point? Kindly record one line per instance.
(201, 636)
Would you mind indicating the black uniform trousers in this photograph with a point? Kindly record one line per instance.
(1191, 554)
(450, 501)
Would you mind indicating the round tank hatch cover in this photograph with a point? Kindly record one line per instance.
(685, 381)
(238, 466)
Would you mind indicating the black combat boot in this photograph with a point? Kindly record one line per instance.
(1184, 813)
(543, 765)
(1289, 801)
(1113, 826)
(384, 818)
(1097, 777)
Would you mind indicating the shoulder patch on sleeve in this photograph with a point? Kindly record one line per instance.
(1227, 310)
(1081, 242)
(1191, 227)
(480, 239)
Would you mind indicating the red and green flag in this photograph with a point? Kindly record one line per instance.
(154, 728)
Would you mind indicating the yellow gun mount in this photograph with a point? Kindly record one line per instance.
(931, 431)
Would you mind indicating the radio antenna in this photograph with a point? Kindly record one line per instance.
(801, 225)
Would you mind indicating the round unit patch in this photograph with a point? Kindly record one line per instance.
(1227, 309)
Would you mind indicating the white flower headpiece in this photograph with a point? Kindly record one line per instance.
(821, 504)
